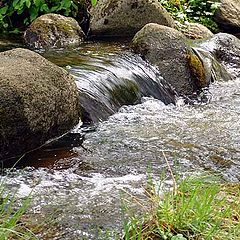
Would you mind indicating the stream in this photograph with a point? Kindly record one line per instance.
(83, 187)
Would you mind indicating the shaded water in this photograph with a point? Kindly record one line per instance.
(83, 187)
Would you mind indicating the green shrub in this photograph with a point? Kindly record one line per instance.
(15, 15)
(200, 11)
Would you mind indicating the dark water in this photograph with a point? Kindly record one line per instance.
(83, 187)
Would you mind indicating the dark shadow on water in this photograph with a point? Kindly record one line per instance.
(57, 154)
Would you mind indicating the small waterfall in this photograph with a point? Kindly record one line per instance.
(108, 81)
(82, 187)
(215, 71)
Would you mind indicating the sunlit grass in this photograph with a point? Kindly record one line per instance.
(11, 213)
(198, 208)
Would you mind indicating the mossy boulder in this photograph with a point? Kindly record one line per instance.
(38, 101)
(125, 17)
(167, 48)
(53, 31)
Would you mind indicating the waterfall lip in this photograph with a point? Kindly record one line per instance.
(107, 80)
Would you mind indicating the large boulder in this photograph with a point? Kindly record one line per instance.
(126, 17)
(38, 101)
(166, 47)
(53, 31)
(228, 15)
(226, 49)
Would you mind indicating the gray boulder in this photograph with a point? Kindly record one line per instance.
(226, 49)
(195, 30)
(38, 101)
(228, 15)
(126, 17)
(166, 47)
(53, 31)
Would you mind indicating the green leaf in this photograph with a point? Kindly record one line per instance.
(75, 6)
(3, 10)
(66, 4)
(26, 21)
(5, 25)
(15, 3)
(55, 9)
(33, 13)
(28, 3)
(38, 3)
(94, 2)
(44, 8)
(20, 11)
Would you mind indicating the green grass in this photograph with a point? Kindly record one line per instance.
(11, 213)
(198, 208)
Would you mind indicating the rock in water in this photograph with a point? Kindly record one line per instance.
(38, 101)
(226, 49)
(124, 18)
(228, 16)
(53, 31)
(166, 47)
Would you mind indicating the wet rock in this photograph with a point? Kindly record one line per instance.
(126, 17)
(195, 31)
(53, 31)
(214, 70)
(226, 49)
(228, 16)
(38, 101)
(166, 47)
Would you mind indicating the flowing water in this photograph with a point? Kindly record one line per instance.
(83, 187)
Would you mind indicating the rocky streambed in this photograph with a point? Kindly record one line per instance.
(84, 187)
(84, 124)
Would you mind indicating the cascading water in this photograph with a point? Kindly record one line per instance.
(84, 186)
(108, 81)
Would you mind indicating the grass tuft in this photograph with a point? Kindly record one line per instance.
(199, 208)
(11, 214)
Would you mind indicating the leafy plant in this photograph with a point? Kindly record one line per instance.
(15, 15)
(200, 11)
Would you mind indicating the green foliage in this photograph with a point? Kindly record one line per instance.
(200, 208)
(94, 2)
(10, 217)
(15, 15)
(200, 11)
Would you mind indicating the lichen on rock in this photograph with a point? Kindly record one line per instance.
(124, 18)
(53, 31)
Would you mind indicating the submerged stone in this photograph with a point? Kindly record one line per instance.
(53, 31)
(38, 101)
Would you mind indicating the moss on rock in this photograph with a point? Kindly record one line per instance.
(53, 30)
(197, 70)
